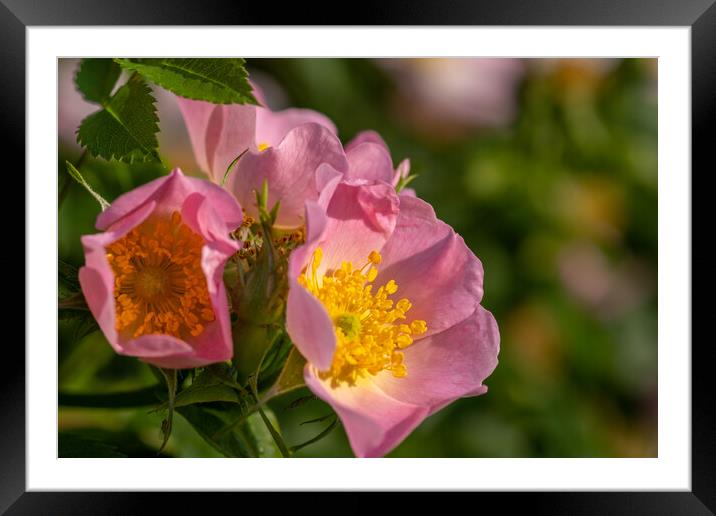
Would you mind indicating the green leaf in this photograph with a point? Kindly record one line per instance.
(83, 323)
(73, 308)
(72, 171)
(67, 279)
(317, 419)
(291, 376)
(205, 394)
(96, 78)
(206, 388)
(298, 402)
(231, 165)
(404, 181)
(74, 302)
(71, 304)
(267, 437)
(275, 434)
(320, 436)
(170, 376)
(221, 81)
(249, 439)
(84, 327)
(126, 128)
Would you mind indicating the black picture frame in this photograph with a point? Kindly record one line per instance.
(700, 15)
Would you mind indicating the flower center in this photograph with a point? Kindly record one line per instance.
(370, 327)
(349, 324)
(150, 282)
(159, 285)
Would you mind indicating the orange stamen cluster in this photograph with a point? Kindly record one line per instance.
(159, 286)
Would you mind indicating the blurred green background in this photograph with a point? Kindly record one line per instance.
(547, 168)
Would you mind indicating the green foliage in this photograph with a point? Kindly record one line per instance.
(291, 376)
(405, 181)
(170, 377)
(221, 81)
(208, 386)
(72, 307)
(68, 282)
(75, 174)
(96, 78)
(321, 435)
(126, 128)
(273, 362)
(231, 166)
(251, 438)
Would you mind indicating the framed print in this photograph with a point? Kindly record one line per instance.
(423, 257)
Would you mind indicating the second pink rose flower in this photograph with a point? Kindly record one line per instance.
(384, 303)
(284, 148)
(153, 278)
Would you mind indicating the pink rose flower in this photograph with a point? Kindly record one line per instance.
(369, 158)
(153, 278)
(384, 303)
(284, 148)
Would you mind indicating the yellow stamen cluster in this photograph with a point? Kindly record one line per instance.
(159, 286)
(370, 327)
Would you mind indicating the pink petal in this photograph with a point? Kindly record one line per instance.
(97, 284)
(375, 422)
(307, 322)
(230, 131)
(369, 161)
(432, 266)
(159, 349)
(123, 205)
(360, 219)
(214, 344)
(199, 213)
(309, 326)
(366, 136)
(448, 365)
(258, 93)
(327, 178)
(218, 133)
(196, 115)
(170, 191)
(273, 126)
(290, 170)
(223, 205)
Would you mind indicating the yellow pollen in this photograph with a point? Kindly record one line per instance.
(159, 286)
(370, 328)
(374, 257)
(263, 146)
